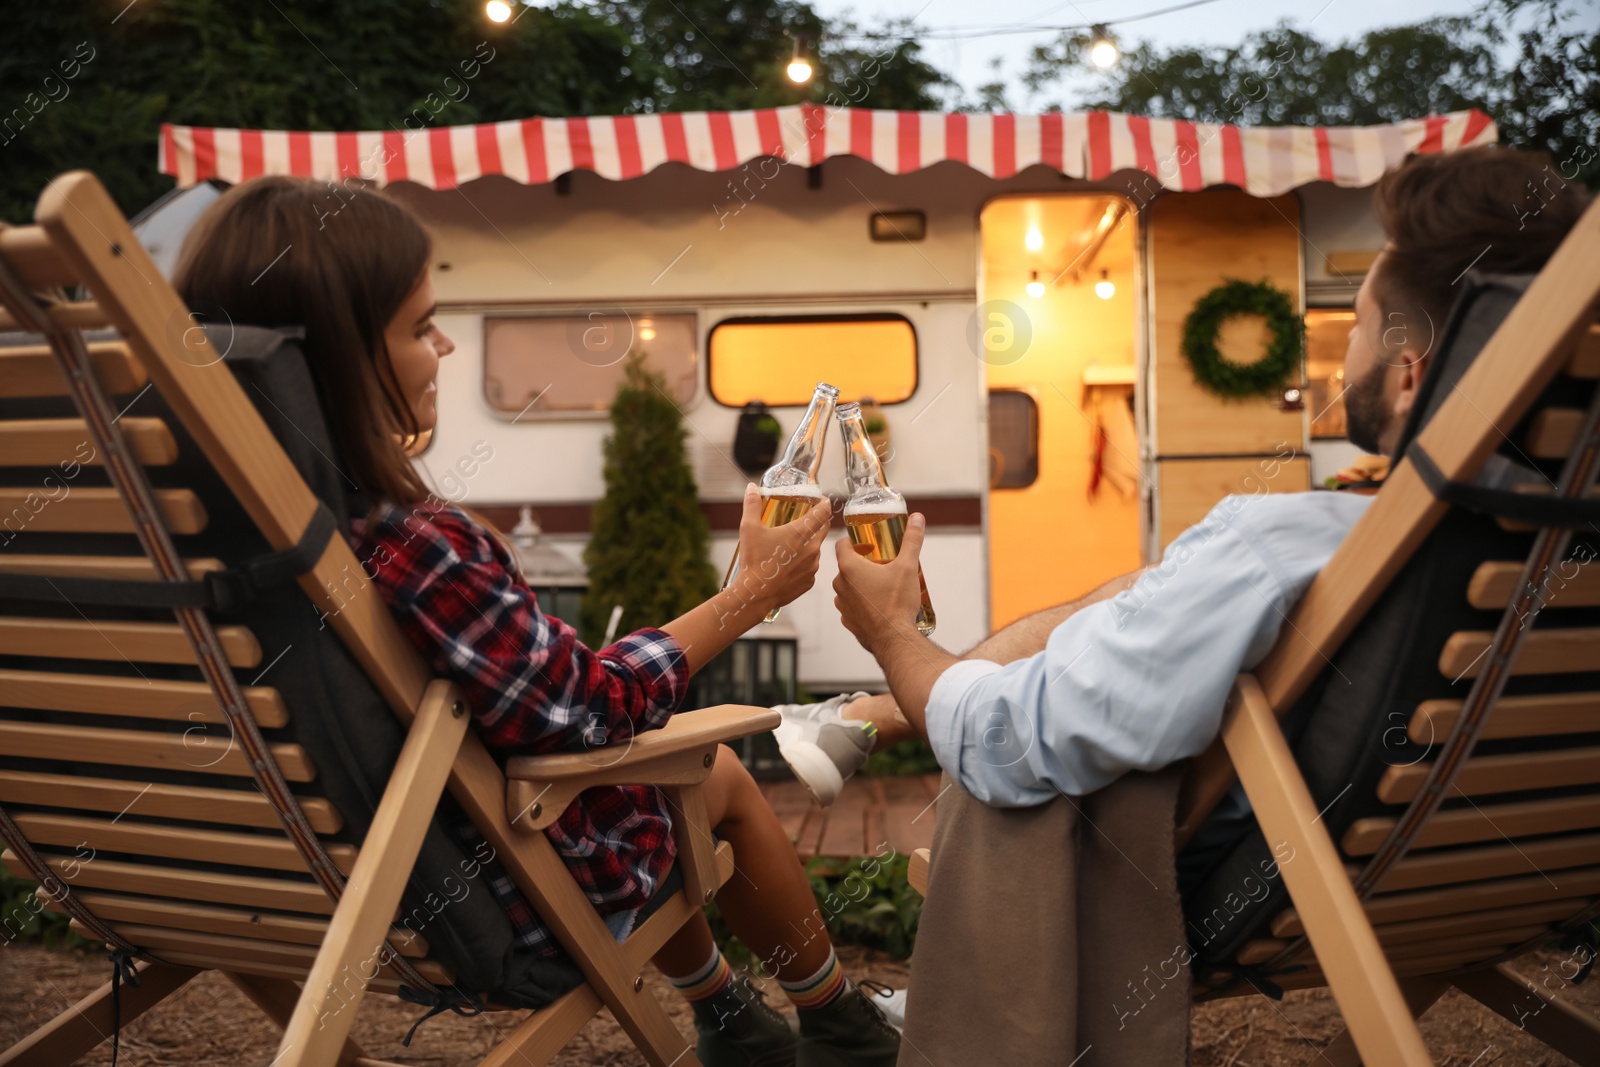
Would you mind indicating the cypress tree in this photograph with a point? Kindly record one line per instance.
(648, 547)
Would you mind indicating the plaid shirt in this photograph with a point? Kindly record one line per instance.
(534, 687)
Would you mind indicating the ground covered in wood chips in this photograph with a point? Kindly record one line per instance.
(209, 1022)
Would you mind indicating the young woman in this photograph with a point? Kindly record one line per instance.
(352, 268)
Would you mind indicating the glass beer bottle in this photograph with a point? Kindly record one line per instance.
(875, 515)
(789, 488)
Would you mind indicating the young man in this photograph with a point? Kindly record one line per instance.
(1134, 675)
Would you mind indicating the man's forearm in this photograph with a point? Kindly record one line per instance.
(911, 665)
(1027, 636)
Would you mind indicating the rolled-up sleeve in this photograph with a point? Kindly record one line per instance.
(1138, 681)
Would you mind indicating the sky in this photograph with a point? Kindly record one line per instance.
(1220, 22)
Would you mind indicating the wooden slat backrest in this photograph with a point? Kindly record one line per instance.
(31, 370)
(208, 919)
(44, 442)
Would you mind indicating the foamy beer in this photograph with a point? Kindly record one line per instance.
(875, 515)
(789, 488)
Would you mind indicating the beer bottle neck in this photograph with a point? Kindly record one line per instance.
(804, 454)
(861, 464)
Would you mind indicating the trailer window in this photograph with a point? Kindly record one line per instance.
(1013, 439)
(780, 360)
(537, 365)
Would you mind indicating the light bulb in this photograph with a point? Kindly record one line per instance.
(497, 10)
(1103, 52)
(1035, 288)
(1104, 290)
(800, 63)
(1034, 240)
(647, 333)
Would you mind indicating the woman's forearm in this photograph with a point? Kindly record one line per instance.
(707, 629)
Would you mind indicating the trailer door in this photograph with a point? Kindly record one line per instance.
(1058, 303)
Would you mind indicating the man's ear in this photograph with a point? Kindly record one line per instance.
(1412, 368)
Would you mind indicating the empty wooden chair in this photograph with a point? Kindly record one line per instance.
(217, 748)
(1424, 740)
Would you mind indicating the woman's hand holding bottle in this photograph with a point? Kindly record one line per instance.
(779, 563)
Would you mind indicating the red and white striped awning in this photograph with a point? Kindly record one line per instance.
(1179, 155)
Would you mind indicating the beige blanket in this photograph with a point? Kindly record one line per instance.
(1052, 935)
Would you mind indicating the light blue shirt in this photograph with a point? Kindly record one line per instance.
(1139, 681)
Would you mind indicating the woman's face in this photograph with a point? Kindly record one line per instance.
(416, 346)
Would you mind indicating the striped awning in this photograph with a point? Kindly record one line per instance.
(1178, 155)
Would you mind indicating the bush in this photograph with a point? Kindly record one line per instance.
(22, 919)
(866, 901)
(902, 759)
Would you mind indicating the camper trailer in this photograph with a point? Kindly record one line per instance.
(1009, 291)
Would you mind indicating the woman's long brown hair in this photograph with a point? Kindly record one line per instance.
(279, 251)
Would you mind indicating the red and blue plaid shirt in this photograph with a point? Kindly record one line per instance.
(534, 687)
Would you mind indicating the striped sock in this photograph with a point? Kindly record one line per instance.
(707, 981)
(819, 989)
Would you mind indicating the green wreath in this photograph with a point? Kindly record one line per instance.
(1237, 380)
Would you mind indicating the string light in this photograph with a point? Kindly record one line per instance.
(1103, 52)
(800, 65)
(497, 10)
(1035, 287)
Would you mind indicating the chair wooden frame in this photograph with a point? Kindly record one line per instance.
(1550, 329)
(81, 238)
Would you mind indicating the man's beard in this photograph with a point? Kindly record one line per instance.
(1366, 412)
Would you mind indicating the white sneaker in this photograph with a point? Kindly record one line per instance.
(822, 748)
(892, 1002)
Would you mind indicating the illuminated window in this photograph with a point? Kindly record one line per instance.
(1013, 439)
(538, 365)
(780, 360)
(1327, 337)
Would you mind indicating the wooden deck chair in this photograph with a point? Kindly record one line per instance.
(171, 704)
(1425, 735)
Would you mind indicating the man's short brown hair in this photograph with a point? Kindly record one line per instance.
(1498, 210)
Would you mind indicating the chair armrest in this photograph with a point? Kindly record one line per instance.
(539, 788)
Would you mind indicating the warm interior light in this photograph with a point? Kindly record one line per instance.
(1103, 52)
(800, 65)
(1035, 288)
(1104, 288)
(497, 10)
(647, 333)
(1034, 240)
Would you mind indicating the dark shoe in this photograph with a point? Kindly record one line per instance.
(738, 1028)
(849, 1031)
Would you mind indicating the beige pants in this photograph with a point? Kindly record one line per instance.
(1053, 934)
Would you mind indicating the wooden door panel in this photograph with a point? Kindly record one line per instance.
(1197, 242)
(1189, 488)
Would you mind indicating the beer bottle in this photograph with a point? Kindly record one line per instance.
(875, 515)
(789, 488)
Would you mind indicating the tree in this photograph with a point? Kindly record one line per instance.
(88, 82)
(294, 64)
(1549, 98)
(648, 546)
(733, 54)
